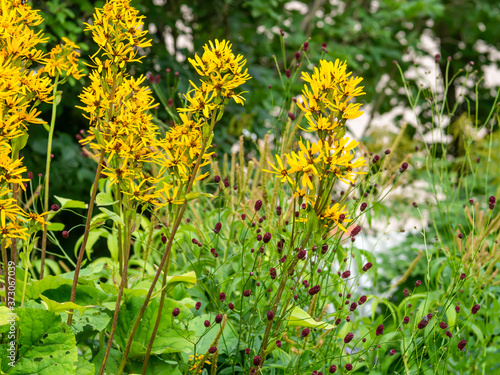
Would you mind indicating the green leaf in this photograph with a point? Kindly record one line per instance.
(7, 316)
(171, 337)
(69, 203)
(55, 227)
(299, 317)
(113, 216)
(188, 278)
(19, 142)
(58, 307)
(46, 345)
(84, 367)
(104, 199)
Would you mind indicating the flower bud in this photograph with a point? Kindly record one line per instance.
(375, 159)
(404, 167)
(288, 73)
(418, 283)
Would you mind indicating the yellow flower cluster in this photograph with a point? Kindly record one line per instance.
(222, 72)
(21, 90)
(326, 104)
(146, 167)
(63, 60)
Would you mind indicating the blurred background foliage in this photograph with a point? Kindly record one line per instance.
(368, 34)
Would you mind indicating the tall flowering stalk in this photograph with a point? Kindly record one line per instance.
(312, 171)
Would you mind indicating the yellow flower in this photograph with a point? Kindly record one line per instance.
(281, 171)
(336, 215)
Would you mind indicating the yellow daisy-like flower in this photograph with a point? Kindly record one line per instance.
(336, 215)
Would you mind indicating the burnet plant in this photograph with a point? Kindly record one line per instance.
(249, 266)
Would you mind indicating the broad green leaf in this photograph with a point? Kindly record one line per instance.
(93, 319)
(7, 316)
(104, 199)
(58, 307)
(55, 227)
(68, 203)
(451, 315)
(156, 366)
(46, 345)
(113, 362)
(299, 317)
(171, 337)
(188, 278)
(84, 367)
(113, 216)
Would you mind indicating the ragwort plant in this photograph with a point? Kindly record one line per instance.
(246, 266)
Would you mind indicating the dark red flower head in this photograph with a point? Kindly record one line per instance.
(475, 309)
(423, 323)
(324, 248)
(278, 343)
(176, 311)
(314, 290)
(65, 234)
(443, 325)
(404, 167)
(302, 254)
(247, 292)
(270, 315)
(272, 272)
(406, 320)
(217, 228)
(332, 369)
(222, 296)
(356, 231)
(461, 344)
(367, 266)
(305, 332)
(218, 318)
(354, 305)
(258, 205)
(256, 360)
(418, 283)
(361, 300)
(206, 323)
(392, 352)
(247, 351)
(348, 337)
(231, 306)
(380, 330)
(348, 367)
(212, 349)
(267, 237)
(54, 207)
(363, 206)
(346, 274)
(216, 179)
